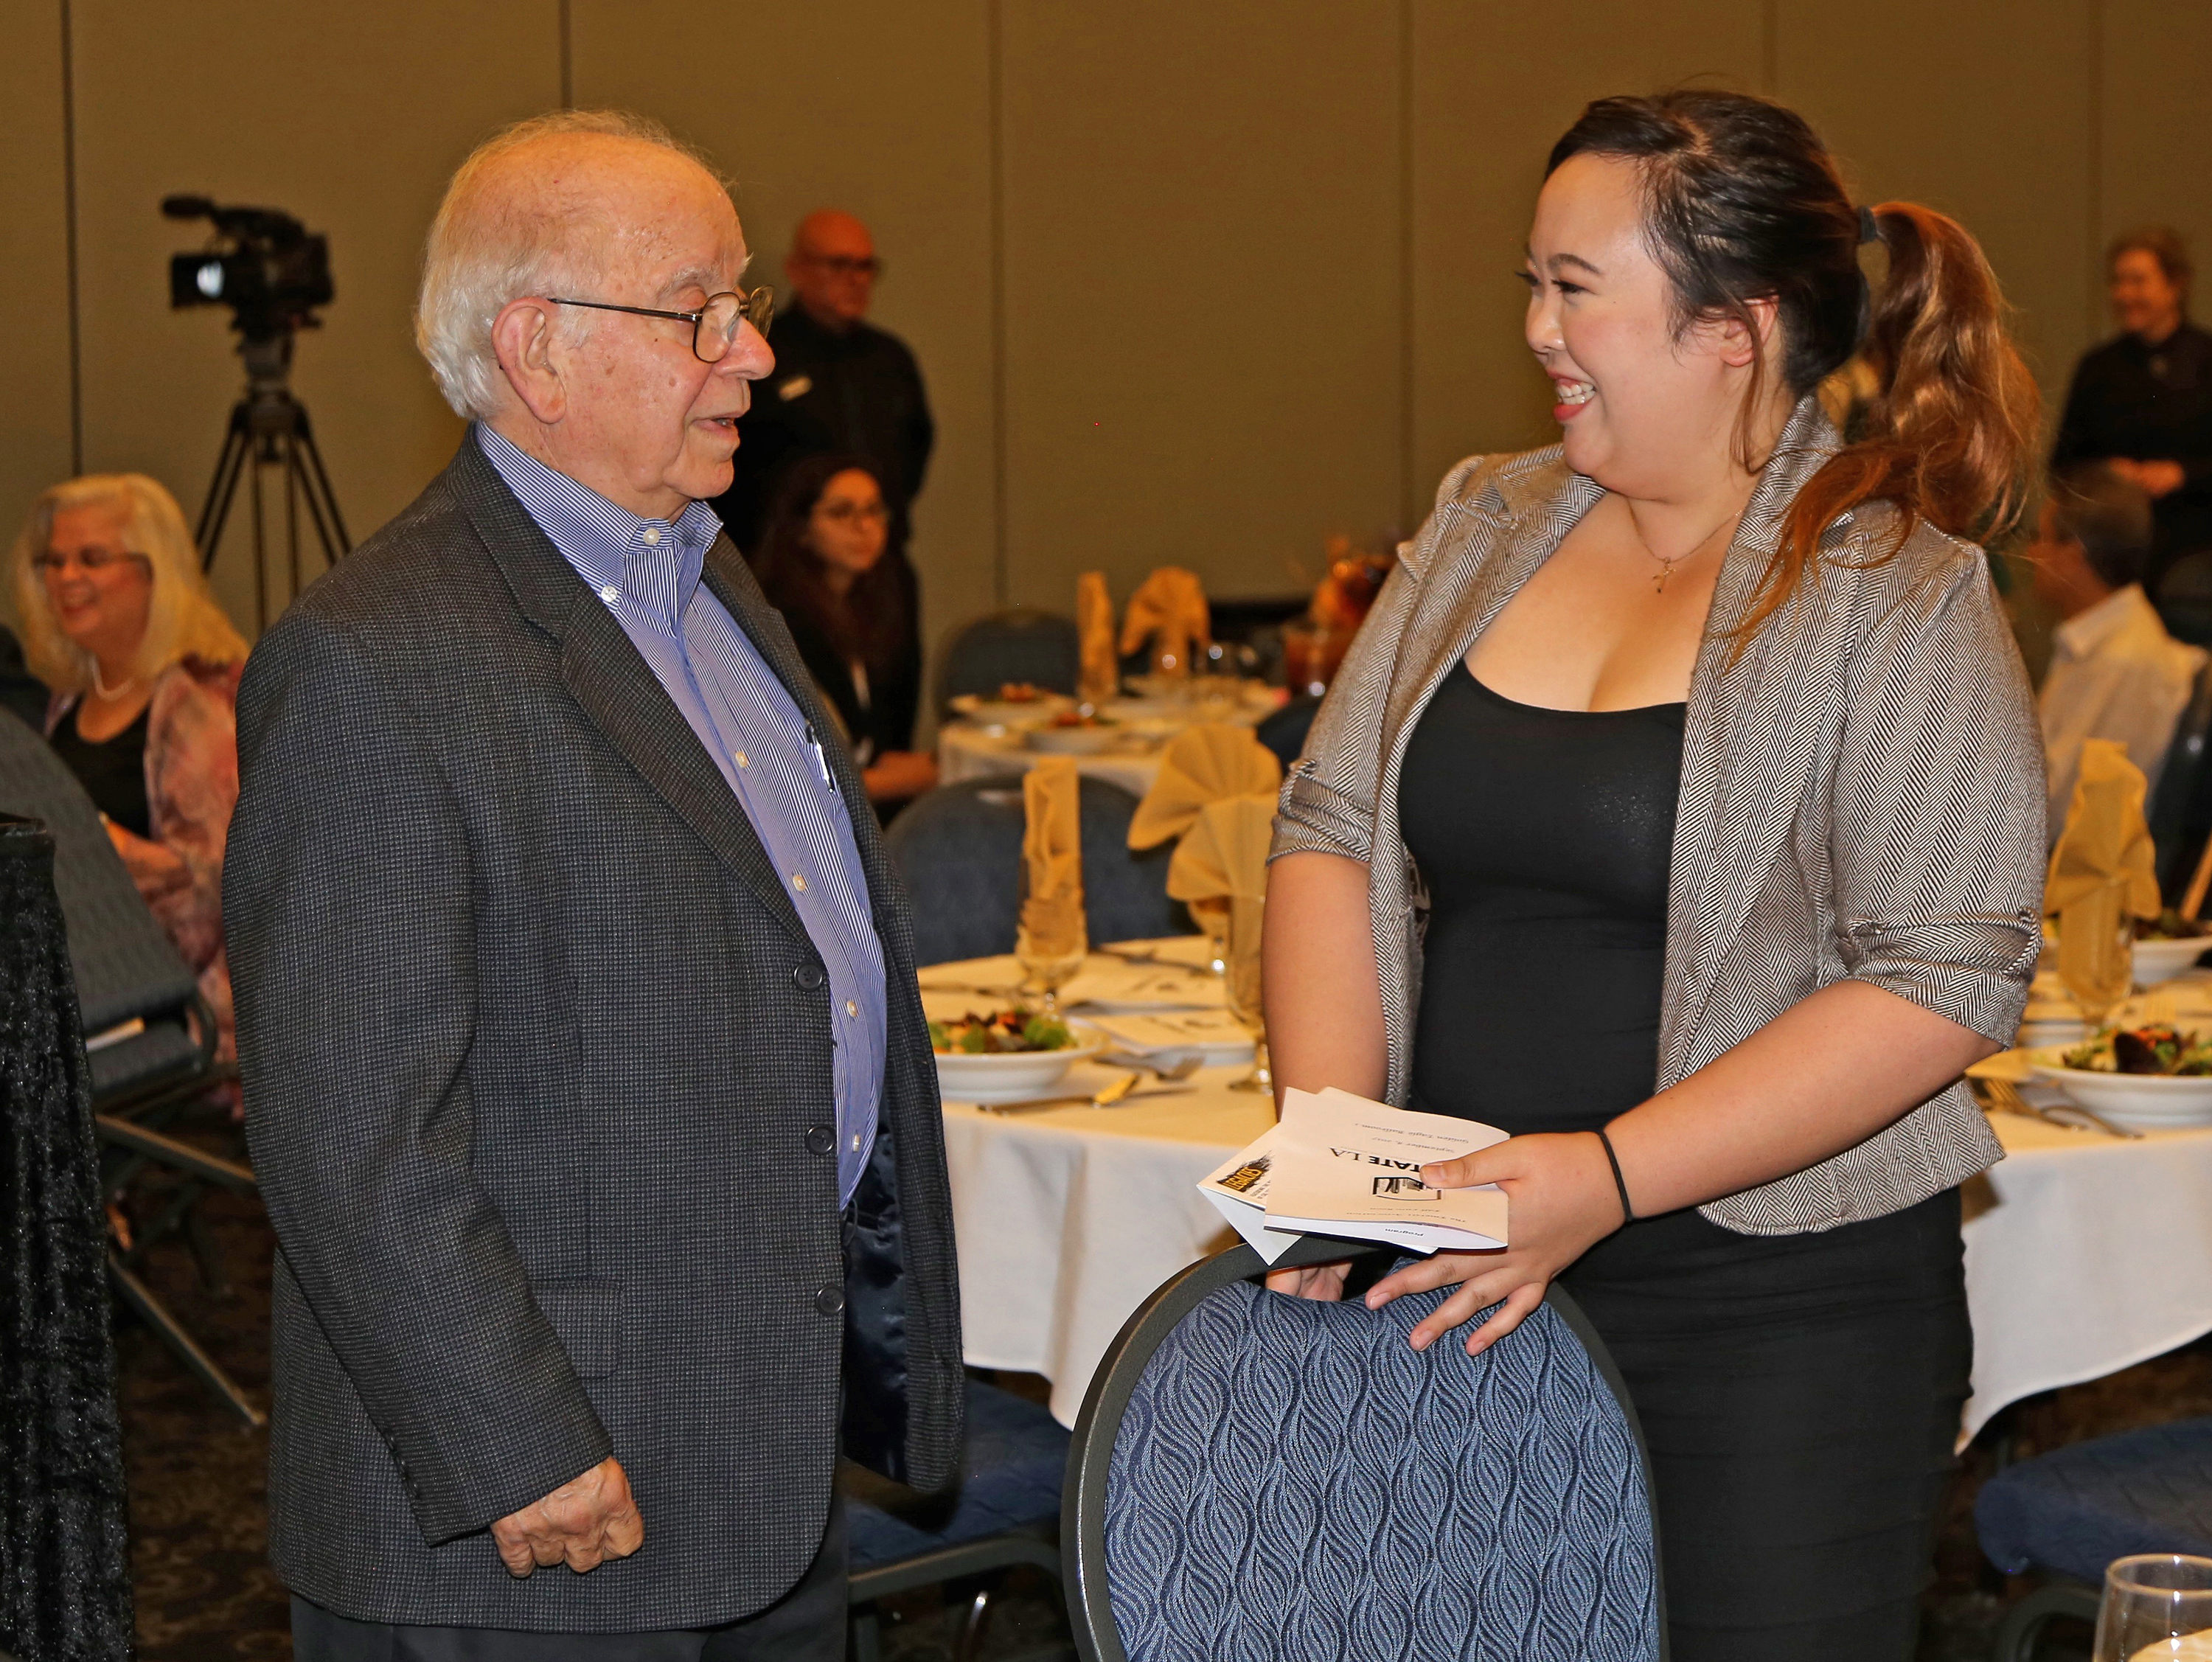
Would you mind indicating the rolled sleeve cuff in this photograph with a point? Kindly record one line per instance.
(1311, 818)
(1974, 971)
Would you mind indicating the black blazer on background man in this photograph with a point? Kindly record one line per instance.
(537, 1058)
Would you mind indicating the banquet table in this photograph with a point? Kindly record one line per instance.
(2085, 1253)
(981, 749)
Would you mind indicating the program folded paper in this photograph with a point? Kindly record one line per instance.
(1339, 1164)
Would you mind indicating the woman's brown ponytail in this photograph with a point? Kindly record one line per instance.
(1744, 203)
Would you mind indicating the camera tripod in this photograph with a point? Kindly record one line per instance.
(269, 427)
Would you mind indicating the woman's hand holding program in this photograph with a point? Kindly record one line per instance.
(1562, 1202)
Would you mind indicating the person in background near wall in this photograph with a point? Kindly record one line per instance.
(826, 563)
(2143, 401)
(143, 667)
(840, 385)
(2115, 672)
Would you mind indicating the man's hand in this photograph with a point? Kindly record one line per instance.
(578, 1524)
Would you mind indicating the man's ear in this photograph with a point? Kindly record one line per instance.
(522, 337)
(1738, 346)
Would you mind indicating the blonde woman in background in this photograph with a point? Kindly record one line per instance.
(144, 669)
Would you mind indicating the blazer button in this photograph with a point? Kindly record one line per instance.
(820, 1139)
(831, 1301)
(808, 976)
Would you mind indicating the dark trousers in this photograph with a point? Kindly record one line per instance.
(1800, 1394)
(807, 1624)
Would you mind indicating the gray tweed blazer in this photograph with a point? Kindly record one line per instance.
(537, 1059)
(1861, 794)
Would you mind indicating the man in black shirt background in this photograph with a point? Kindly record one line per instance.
(840, 383)
(2143, 402)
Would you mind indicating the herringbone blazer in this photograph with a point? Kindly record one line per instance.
(1862, 792)
(537, 1058)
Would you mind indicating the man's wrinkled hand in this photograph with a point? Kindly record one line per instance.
(579, 1525)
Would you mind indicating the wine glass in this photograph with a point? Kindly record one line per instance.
(2096, 955)
(2157, 1604)
(1051, 944)
(1212, 917)
(1247, 918)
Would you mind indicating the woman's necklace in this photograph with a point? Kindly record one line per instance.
(106, 692)
(1667, 565)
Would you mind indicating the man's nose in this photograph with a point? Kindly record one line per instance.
(750, 356)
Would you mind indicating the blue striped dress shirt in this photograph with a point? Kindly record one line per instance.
(646, 572)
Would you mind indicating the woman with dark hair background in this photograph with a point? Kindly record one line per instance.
(825, 562)
(1683, 797)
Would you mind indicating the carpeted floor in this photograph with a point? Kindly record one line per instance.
(198, 1519)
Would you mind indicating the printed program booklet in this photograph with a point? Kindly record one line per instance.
(1339, 1164)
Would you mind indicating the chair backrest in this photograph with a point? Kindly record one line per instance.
(1257, 1474)
(959, 849)
(1285, 731)
(125, 969)
(2184, 599)
(1016, 645)
(2181, 810)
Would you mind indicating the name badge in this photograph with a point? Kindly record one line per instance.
(796, 387)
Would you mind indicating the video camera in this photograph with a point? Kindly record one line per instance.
(264, 266)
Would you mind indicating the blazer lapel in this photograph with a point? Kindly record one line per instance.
(1543, 502)
(613, 684)
(1747, 740)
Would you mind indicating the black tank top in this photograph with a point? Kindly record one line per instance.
(113, 770)
(1544, 837)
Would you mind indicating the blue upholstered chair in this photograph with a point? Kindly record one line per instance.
(1261, 1476)
(1016, 645)
(1285, 731)
(1004, 1511)
(2067, 1514)
(959, 849)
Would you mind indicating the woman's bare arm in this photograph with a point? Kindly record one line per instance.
(1324, 1003)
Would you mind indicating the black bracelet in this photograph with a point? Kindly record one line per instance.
(1627, 1212)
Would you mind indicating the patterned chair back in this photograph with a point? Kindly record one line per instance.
(1292, 1478)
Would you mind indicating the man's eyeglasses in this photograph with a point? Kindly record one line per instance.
(93, 560)
(713, 325)
(847, 265)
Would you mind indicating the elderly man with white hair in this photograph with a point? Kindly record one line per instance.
(585, 1072)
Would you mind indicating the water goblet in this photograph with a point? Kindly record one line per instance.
(1242, 982)
(2156, 1605)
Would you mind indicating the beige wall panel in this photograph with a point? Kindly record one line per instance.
(1986, 117)
(2157, 148)
(350, 117)
(1202, 264)
(883, 109)
(1493, 89)
(34, 378)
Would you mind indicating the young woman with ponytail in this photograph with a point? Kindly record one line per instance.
(1685, 785)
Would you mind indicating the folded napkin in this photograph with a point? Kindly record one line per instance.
(1169, 608)
(1222, 858)
(2103, 869)
(1052, 851)
(1100, 677)
(1206, 763)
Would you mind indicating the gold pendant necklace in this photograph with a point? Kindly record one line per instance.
(1667, 566)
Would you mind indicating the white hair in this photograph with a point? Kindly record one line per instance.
(485, 249)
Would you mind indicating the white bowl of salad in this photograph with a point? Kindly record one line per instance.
(2148, 1078)
(1008, 1054)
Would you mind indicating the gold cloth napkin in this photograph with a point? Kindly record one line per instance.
(1222, 862)
(1206, 763)
(1170, 609)
(1100, 676)
(2103, 869)
(1052, 850)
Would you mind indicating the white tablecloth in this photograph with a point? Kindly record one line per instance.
(2085, 1253)
(966, 750)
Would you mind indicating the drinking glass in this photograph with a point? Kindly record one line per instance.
(1212, 917)
(2157, 1605)
(2097, 981)
(1247, 918)
(1051, 959)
